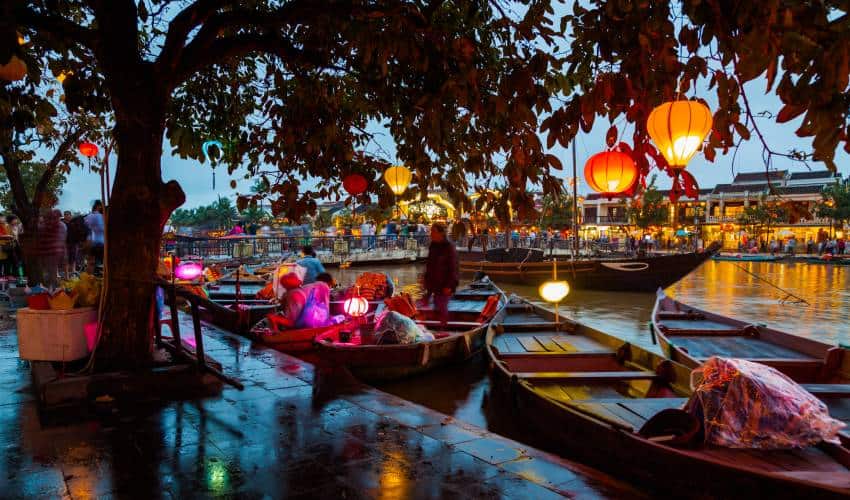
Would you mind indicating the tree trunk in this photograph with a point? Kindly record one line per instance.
(140, 205)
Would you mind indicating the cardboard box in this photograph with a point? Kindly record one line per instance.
(54, 335)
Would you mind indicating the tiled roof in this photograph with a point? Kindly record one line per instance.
(760, 176)
(817, 174)
(733, 188)
(810, 189)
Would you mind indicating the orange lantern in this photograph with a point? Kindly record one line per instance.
(14, 69)
(88, 149)
(610, 173)
(678, 128)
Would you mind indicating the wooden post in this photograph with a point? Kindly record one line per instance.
(199, 337)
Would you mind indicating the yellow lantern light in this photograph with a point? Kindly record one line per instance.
(356, 306)
(398, 178)
(678, 129)
(554, 291)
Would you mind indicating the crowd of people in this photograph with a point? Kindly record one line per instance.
(822, 244)
(66, 244)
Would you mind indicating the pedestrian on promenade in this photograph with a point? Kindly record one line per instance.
(96, 239)
(441, 272)
(51, 247)
(311, 263)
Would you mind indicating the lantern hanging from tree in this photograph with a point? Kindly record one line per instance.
(398, 178)
(219, 152)
(678, 128)
(354, 184)
(88, 149)
(610, 173)
(15, 69)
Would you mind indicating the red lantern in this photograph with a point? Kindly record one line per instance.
(355, 184)
(88, 149)
(610, 173)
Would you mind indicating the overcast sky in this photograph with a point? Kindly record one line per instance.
(196, 179)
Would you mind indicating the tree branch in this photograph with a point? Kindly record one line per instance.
(52, 166)
(184, 23)
(59, 27)
(18, 188)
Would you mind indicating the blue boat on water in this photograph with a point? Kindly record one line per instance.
(738, 257)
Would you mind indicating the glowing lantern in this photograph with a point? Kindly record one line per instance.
(13, 70)
(355, 306)
(398, 178)
(354, 184)
(62, 76)
(21, 39)
(678, 128)
(555, 290)
(188, 270)
(205, 147)
(88, 149)
(610, 173)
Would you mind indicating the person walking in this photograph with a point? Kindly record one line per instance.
(441, 272)
(96, 239)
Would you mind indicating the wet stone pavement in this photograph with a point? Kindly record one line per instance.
(279, 438)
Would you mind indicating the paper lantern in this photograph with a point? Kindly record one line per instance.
(354, 184)
(554, 291)
(610, 173)
(398, 178)
(206, 149)
(188, 270)
(355, 306)
(88, 149)
(678, 128)
(13, 70)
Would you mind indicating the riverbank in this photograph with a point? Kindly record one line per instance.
(288, 434)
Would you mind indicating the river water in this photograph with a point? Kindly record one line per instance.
(740, 290)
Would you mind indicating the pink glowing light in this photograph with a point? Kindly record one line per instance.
(188, 270)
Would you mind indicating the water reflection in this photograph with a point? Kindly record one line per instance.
(722, 287)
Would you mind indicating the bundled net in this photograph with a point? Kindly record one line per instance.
(749, 405)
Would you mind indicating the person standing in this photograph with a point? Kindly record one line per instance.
(96, 239)
(51, 247)
(311, 263)
(441, 272)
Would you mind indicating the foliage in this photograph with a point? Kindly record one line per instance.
(217, 215)
(836, 203)
(556, 212)
(31, 174)
(628, 57)
(758, 218)
(648, 209)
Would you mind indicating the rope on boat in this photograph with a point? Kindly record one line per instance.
(789, 297)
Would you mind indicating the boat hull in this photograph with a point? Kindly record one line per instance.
(621, 275)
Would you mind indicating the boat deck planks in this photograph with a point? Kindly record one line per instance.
(735, 347)
(520, 317)
(695, 324)
(548, 342)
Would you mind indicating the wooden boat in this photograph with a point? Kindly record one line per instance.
(645, 274)
(588, 394)
(747, 257)
(297, 339)
(834, 260)
(690, 336)
(233, 318)
(460, 340)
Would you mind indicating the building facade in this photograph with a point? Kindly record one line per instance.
(717, 214)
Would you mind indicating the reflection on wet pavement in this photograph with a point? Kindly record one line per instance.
(282, 437)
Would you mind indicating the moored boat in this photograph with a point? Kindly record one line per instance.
(461, 339)
(634, 274)
(690, 336)
(296, 339)
(738, 257)
(590, 394)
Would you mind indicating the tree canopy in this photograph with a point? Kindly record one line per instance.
(648, 208)
(836, 203)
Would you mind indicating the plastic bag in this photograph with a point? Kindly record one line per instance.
(394, 328)
(743, 404)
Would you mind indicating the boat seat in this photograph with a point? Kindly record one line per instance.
(449, 324)
(587, 376)
(828, 390)
(680, 315)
